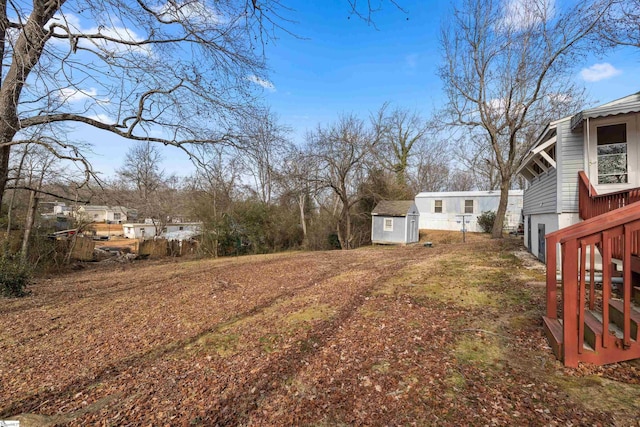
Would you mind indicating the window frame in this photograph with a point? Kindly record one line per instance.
(624, 152)
(465, 207)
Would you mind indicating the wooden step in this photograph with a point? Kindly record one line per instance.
(592, 330)
(616, 316)
(553, 331)
(635, 264)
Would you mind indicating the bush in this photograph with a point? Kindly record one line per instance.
(486, 221)
(14, 277)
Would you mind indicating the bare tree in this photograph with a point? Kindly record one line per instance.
(176, 73)
(141, 170)
(145, 186)
(508, 70)
(299, 167)
(432, 166)
(342, 152)
(476, 155)
(622, 24)
(263, 145)
(401, 133)
(213, 190)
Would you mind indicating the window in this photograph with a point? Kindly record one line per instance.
(180, 228)
(612, 154)
(388, 224)
(116, 216)
(468, 206)
(437, 207)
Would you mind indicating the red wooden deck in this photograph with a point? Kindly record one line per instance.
(591, 317)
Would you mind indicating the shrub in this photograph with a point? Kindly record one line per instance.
(486, 220)
(14, 277)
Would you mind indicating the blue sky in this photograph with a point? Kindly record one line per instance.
(339, 64)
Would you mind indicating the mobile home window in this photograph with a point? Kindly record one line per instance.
(612, 154)
(388, 224)
(468, 206)
(437, 207)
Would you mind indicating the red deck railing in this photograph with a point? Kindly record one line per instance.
(614, 233)
(591, 204)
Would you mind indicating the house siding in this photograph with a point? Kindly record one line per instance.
(571, 161)
(397, 235)
(541, 195)
(453, 207)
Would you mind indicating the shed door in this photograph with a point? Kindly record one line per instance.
(412, 232)
(541, 242)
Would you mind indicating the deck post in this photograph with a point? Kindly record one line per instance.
(570, 302)
(552, 282)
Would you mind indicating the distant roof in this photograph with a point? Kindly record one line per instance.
(104, 208)
(468, 193)
(393, 207)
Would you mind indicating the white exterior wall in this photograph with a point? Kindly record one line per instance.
(453, 206)
(552, 222)
(135, 231)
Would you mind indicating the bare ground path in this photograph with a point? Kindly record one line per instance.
(379, 336)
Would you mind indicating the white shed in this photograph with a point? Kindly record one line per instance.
(395, 221)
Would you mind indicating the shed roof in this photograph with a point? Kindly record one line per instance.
(393, 207)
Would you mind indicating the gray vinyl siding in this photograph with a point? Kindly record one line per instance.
(541, 194)
(397, 235)
(571, 161)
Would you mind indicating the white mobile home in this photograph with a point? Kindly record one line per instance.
(445, 210)
(577, 159)
(172, 231)
(395, 222)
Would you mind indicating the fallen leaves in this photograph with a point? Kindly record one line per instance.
(354, 338)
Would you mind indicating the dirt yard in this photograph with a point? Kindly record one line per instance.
(449, 335)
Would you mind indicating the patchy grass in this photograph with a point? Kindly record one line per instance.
(310, 314)
(602, 393)
(480, 348)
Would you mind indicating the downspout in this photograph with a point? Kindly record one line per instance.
(588, 148)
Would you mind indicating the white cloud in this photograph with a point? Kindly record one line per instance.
(523, 14)
(74, 95)
(104, 118)
(261, 82)
(599, 72)
(116, 32)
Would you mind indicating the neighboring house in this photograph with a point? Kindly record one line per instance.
(172, 231)
(602, 144)
(395, 221)
(62, 209)
(110, 214)
(445, 210)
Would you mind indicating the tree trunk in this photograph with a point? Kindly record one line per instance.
(28, 226)
(301, 204)
(496, 232)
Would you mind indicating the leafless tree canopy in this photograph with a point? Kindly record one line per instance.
(508, 71)
(169, 72)
(341, 153)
